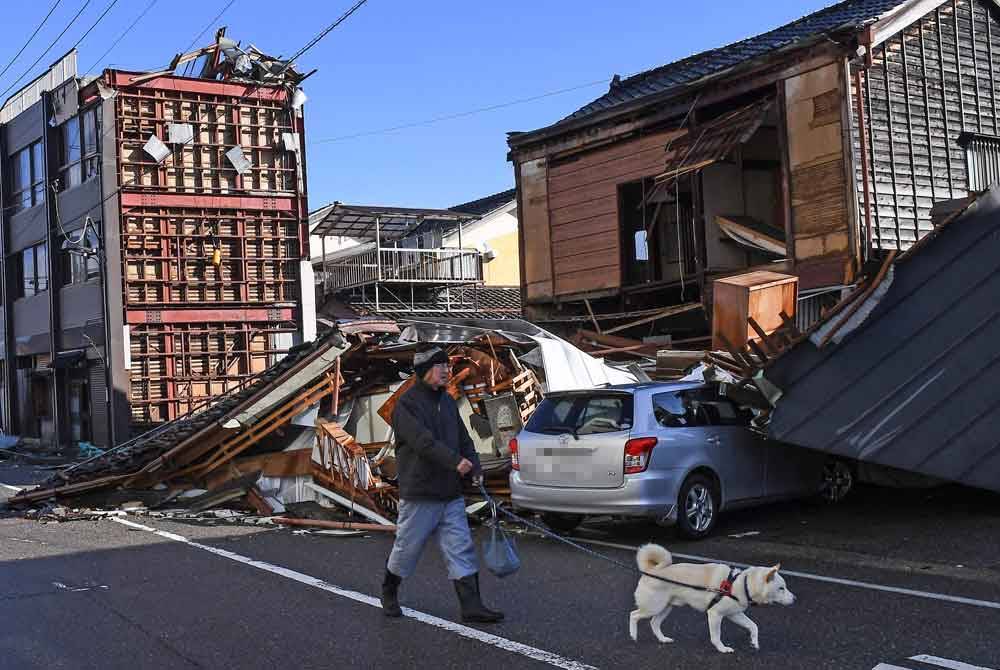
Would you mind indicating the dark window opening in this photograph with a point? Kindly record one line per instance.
(658, 231)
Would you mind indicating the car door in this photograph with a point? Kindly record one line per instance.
(738, 456)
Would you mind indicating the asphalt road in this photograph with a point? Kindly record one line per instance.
(106, 595)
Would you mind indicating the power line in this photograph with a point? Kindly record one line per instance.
(94, 24)
(33, 35)
(210, 24)
(460, 115)
(325, 32)
(47, 50)
(122, 36)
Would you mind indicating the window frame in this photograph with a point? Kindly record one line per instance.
(27, 191)
(79, 167)
(37, 282)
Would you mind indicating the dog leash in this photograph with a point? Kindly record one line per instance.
(497, 507)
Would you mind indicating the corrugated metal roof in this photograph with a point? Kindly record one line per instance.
(851, 13)
(914, 385)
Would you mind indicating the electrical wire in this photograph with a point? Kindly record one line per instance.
(94, 24)
(47, 50)
(460, 115)
(210, 24)
(324, 33)
(122, 36)
(33, 35)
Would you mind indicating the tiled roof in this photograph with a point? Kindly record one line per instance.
(848, 14)
(487, 204)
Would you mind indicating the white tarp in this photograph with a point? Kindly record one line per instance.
(567, 368)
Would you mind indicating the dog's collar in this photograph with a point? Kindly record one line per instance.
(725, 589)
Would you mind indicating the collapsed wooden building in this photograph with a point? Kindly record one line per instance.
(317, 425)
(809, 150)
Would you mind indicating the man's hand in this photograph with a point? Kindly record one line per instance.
(464, 467)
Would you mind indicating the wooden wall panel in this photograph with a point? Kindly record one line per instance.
(821, 217)
(583, 211)
(534, 220)
(936, 79)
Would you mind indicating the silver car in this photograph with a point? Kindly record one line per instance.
(677, 453)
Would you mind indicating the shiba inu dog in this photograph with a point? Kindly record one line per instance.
(739, 591)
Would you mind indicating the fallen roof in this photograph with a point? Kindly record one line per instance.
(850, 14)
(911, 383)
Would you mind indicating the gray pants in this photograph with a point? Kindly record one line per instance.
(418, 520)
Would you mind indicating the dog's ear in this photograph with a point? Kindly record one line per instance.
(772, 572)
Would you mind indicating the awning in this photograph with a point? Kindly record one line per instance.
(360, 222)
(752, 233)
(712, 141)
(68, 359)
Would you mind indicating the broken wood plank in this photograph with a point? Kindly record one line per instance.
(342, 525)
(762, 334)
(352, 506)
(670, 311)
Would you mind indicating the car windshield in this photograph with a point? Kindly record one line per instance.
(582, 414)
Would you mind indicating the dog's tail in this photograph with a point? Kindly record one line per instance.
(653, 556)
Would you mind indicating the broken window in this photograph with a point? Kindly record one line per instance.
(658, 231)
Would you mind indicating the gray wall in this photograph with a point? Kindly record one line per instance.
(31, 324)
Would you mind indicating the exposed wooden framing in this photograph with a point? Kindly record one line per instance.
(670, 311)
(958, 61)
(590, 311)
(892, 141)
(865, 166)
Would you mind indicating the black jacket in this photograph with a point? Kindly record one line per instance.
(431, 440)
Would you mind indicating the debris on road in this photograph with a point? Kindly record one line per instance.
(315, 429)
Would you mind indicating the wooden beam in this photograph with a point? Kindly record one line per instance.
(670, 311)
(340, 525)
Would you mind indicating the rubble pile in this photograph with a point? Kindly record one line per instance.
(309, 441)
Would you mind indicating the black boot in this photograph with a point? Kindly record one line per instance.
(473, 609)
(390, 594)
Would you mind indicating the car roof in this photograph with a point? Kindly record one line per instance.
(634, 387)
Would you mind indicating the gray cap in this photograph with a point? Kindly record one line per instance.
(423, 360)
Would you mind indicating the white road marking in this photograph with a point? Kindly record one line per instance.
(821, 578)
(946, 663)
(889, 666)
(551, 658)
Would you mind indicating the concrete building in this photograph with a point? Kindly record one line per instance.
(154, 237)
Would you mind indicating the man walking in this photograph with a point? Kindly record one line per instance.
(433, 453)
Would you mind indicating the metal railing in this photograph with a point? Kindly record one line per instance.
(403, 266)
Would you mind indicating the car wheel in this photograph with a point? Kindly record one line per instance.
(697, 507)
(837, 482)
(562, 523)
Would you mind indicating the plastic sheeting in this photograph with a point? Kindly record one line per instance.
(567, 368)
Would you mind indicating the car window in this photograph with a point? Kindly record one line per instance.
(696, 407)
(582, 415)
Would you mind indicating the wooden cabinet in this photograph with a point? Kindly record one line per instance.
(762, 295)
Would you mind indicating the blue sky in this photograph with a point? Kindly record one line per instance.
(396, 62)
